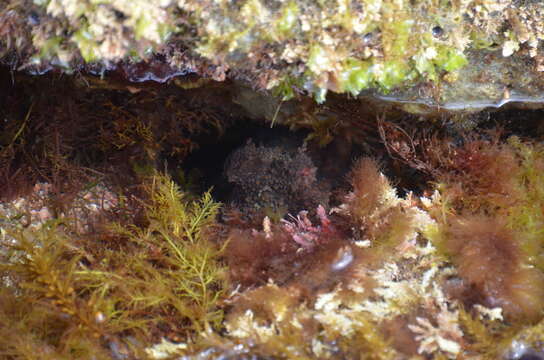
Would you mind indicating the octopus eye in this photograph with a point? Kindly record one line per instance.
(367, 38)
(437, 31)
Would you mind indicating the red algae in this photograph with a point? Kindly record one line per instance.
(488, 256)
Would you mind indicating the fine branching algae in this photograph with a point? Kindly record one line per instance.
(74, 296)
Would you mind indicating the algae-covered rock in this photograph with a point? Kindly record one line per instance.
(297, 46)
(488, 81)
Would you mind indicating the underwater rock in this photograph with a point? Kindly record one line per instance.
(454, 55)
(488, 81)
(45, 204)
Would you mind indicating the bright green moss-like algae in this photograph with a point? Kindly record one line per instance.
(294, 46)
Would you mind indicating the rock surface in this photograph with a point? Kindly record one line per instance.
(458, 54)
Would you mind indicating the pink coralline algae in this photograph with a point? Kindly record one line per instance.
(304, 232)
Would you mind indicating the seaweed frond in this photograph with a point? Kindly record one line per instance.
(489, 257)
(191, 259)
(382, 217)
(492, 227)
(45, 298)
(170, 211)
(112, 293)
(371, 190)
(485, 336)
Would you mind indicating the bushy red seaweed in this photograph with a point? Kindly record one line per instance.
(488, 256)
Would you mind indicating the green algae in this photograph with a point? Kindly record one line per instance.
(315, 43)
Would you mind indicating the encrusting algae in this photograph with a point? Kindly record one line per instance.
(294, 47)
